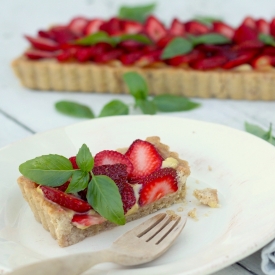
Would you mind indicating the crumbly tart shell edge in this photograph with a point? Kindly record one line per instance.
(50, 75)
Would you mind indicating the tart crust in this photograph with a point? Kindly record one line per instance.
(57, 219)
(48, 74)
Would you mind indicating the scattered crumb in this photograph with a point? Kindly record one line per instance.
(197, 181)
(209, 168)
(172, 214)
(180, 209)
(192, 213)
(207, 196)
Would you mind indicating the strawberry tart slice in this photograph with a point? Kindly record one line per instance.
(81, 196)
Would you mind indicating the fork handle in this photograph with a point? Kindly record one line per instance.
(67, 265)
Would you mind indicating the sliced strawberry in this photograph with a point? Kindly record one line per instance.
(263, 61)
(62, 34)
(196, 28)
(130, 46)
(73, 162)
(85, 221)
(46, 34)
(93, 26)
(38, 54)
(84, 54)
(108, 56)
(186, 58)
(209, 63)
(65, 200)
(77, 25)
(157, 185)
(130, 58)
(224, 29)
(177, 28)
(164, 41)
(43, 44)
(262, 26)
(249, 45)
(268, 50)
(241, 58)
(63, 187)
(117, 172)
(130, 27)
(100, 48)
(149, 58)
(245, 33)
(272, 27)
(112, 27)
(249, 22)
(128, 197)
(144, 157)
(113, 157)
(154, 28)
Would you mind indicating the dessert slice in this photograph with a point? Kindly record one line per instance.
(79, 197)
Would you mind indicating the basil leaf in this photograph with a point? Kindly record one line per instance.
(206, 20)
(50, 170)
(74, 109)
(79, 181)
(147, 107)
(172, 103)
(177, 46)
(95, 38)
(267, 39)
(104, 197)
(138, 13)
(136, 37)
(209, 38)
(261, 133)
(114, 108)
(84, 159)
(137, 85)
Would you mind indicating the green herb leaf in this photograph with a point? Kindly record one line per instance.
(84, 159)
(104, 197)
(207, 20)
(136, 37)
(138, 13)
(50, 170)
(177, 46)
(136, 85)
(79, 181)
(74, 109)
(172, 103)
(209, 38)
(267, 39)
(261, 133)
(147, 107)
(114, 108)
(95, 38)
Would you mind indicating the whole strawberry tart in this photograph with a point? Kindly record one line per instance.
(187, 58)
(80, 196)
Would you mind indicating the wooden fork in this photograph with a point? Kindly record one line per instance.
(142, 244)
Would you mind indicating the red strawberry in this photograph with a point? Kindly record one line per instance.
(149, 58)
(46, 34)
(249, 45)
(65, 200)
(87, 220)
(177, 28)
(245, 33)
(93, 26)
(130, 46)
(196, 28)
(130, 27)
(272, 27)
(117, 172)
(37, 54)
(162, 43)
(43, 44)
(130, 58)
(77, 25)
(268, 50)
(241, 58)
(144, 157)
(63, 187)
(157, 185)
(224, 29)
(262, 26)
(263, 61)
(62, 34)
(154, 28)
(112, 27)
(249, 22)
(128, 197)
(108, 56)
(209, 63)
(186, 58)
(113, 157)
(73, 162)
(84, 54)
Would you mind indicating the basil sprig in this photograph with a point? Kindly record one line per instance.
(54, 170)
(261, 133)
(101, 36)
(267, 39)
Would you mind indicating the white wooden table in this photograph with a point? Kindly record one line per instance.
(24, 112)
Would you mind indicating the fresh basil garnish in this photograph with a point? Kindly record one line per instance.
(79, 181)
(206, 20)
(261, 133)
(267, 39)
(74, 109)
(209, 38)
(114, 108)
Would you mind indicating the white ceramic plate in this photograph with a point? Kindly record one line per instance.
(236, 163)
